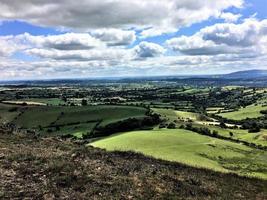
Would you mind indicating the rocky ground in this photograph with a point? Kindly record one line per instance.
(52, 168)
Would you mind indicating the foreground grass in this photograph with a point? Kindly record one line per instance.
(50, 168)
(192, 149)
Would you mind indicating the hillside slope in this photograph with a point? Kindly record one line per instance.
(51, 168)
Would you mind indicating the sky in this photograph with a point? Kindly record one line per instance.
(47, 39)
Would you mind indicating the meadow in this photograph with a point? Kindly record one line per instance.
(47, 101)
(175, 114)
(251, 111)
(32, 117)
(192, 149)
(71, 120)
(7, 112)
(259, 138)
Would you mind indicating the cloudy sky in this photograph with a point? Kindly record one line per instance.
(92, 38)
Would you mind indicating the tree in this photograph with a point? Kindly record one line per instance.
(64, 98)
(171, 125)
(215, 133)
(84, 102)
(223, 125)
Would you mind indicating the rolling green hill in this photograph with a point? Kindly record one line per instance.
(192, 149)
(45, 116)
(252, 111)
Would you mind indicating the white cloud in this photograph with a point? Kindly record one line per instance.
(230, 17)
(80, 55)
(8, 46)
(246, 38)
(245, 34)
(81, 47)
(68, 41)
(115, 37)
(94, 14)
(148, 49)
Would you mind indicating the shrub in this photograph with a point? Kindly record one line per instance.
(84, 102)
(171, 125)
(13, 109)
(215, 133)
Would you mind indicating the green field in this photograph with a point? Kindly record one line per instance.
(214, 110)
(232, 87)
(195, 90)
(192, 149)
(6, 113)
(77, 131)
(174, 114)
(259, 138)
(48, 101)
(44, 115)
(77, 120)
(252, 111)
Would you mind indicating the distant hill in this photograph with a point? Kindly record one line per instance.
(259, 76)
(249, 74)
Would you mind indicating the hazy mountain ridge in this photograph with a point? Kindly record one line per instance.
(239, 76)
(248, 74)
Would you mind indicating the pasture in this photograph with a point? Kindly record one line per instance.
(175, 114)
(259, 138)
(47, 101)
(192, 149)
(61, 120)
(251, 111)
(45, 116)
(8, 112)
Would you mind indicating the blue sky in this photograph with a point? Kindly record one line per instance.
(54, 40)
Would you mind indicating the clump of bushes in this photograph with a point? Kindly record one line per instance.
(171, 125)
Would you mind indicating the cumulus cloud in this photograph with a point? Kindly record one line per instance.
(68, 41)
(196, 45)
(230, 17)
(8, 46)
(79, 55)
(248, 37)
(245, 34)
(115, 37)
(99, 46)
(142, 51)
(148, 50)
(95, 14)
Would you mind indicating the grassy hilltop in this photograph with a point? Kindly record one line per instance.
(48, 168)
(191, 148)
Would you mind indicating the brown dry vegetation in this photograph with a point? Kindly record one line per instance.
(51, 168)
